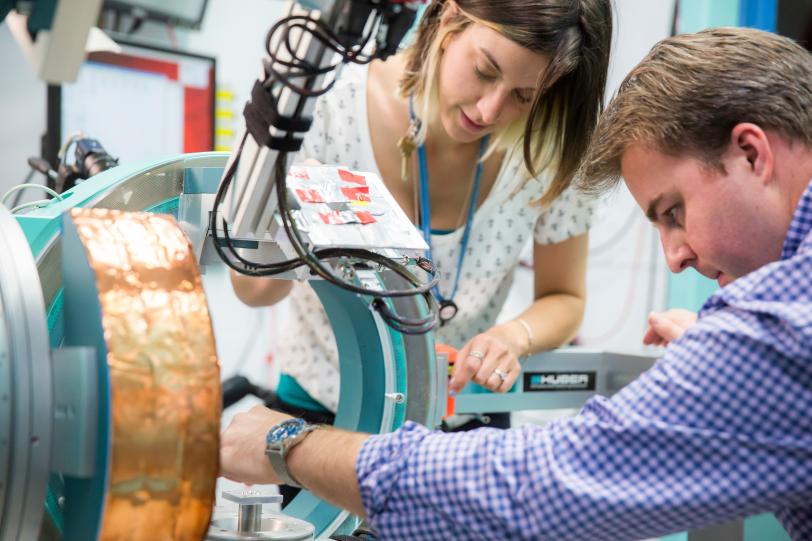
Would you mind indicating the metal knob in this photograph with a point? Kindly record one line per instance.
(249, 512)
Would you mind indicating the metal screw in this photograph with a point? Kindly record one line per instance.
(397, 398)
(347, 271)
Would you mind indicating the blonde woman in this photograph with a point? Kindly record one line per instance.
(476, 129)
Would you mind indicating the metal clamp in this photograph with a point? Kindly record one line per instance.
(76, 411)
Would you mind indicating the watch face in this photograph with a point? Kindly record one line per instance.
(284, 430)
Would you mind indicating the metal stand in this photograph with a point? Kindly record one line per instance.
(250, 524)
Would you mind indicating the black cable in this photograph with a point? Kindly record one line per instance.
(404, 325)
(248, 268)
(399, 323)
(301, 249)
(299, 68)
(328, 38)
(325, 253)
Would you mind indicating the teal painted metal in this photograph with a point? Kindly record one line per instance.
(761, 14)
(56, 490)
(696, 15)
(200, 180)
(56, 319)
(362, 401)
(689, 290)
(170, 206)
(363, 384)
(764, 528)
(758, 528)
(42, 16)
(5, 7)
(399, 352)
(84, 498)
(41, 225)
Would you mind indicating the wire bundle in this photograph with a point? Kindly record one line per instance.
(348, 259)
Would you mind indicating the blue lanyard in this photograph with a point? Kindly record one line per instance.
(425, 212)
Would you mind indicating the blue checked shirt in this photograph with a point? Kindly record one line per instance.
(719, 428)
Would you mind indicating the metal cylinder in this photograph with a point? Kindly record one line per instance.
(249, 518)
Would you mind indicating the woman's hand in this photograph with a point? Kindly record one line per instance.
(487, 360)
(664, 327)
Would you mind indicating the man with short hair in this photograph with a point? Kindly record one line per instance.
(712, 133)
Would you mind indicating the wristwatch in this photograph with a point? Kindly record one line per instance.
(280, 440)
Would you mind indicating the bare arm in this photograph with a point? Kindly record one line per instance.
(554, 318)
(259, 291)
(560, 292)
(324, 462)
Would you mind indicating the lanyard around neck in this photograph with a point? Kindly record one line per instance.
(425, 212)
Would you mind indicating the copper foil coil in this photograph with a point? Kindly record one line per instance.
(164, 375)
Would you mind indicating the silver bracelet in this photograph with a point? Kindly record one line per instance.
(529, 330)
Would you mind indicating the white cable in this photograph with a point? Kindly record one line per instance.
(19, 187)
(38, 204)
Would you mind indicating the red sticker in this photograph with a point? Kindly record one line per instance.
(365, 217)
(309, 195)
(300, 173)
(360, 193)
(331, 218)
(348, 176)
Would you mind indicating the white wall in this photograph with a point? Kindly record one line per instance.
(626, 278)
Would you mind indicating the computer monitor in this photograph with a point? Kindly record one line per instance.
(141, 104)
(187, 13)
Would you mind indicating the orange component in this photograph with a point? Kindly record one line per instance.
(164, 377)
(450, 354)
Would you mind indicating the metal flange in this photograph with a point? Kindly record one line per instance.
(25, 388)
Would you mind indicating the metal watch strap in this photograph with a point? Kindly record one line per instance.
(277, 456)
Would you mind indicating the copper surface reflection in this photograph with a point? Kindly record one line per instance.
(164, 373)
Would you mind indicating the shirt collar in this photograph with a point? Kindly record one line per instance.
(800, 226)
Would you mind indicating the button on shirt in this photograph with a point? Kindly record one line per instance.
(719, 428)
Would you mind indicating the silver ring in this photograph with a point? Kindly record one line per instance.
(476, 354)
(501, 373)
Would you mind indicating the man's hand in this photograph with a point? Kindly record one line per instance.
(664, 327)
(242, 446)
